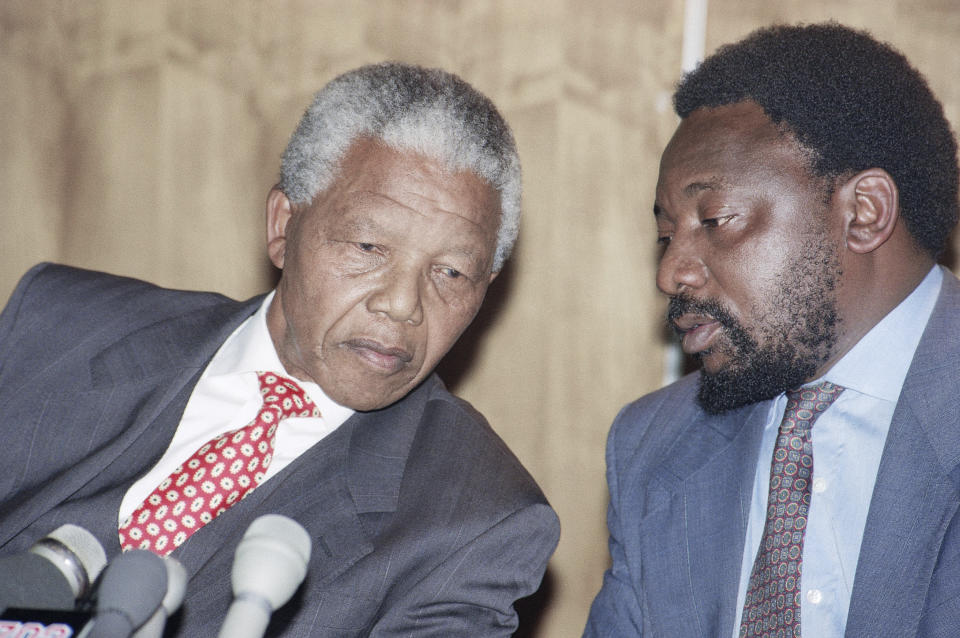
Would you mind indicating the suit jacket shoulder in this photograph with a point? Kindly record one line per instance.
(470, 532)
(56, 310)
(907, 581)
(680, 482)
(452, 428)
(647, 428)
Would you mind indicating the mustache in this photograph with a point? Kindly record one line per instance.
(680, 305)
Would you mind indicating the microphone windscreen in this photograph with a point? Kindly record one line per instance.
(76, 553)
(133, 587)
(271, 559)
(270, 563)
(54, 573)
(176, 585)
(176, 589)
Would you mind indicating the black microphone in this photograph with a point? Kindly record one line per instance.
(56, 572)
(131, 590)
(270, 563)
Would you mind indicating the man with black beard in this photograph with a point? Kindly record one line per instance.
(800, 331)
(806, 480)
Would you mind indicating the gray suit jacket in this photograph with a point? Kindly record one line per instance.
(423, 522)
(680, 484)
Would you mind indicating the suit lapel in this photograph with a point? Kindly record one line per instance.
(358, 472)
(915, 495)
(699, 505)
(355, 470)
(312, 491)
(156, 365)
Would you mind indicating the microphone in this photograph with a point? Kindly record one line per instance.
(270, 563)
(54, 573)
(176, 589)
(133, 587)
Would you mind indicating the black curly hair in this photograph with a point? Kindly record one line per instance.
(853, 102)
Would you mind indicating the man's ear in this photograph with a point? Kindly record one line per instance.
(279, 211)
(874, 209)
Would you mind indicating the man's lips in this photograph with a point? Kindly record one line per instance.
(388, 358)
(697, 332)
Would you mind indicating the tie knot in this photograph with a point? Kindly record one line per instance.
(805, 404)
(285, 397)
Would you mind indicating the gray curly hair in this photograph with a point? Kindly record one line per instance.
(410, 108)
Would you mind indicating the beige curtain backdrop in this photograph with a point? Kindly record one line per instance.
(141, 137)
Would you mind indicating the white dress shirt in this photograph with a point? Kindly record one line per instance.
(228, 397)
(848, 441)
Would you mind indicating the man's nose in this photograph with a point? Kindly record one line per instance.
(398, 295)
(681, 268)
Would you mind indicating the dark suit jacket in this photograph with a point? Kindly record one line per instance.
(680, 484)
(423, 522)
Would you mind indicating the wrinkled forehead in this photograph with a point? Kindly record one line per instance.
(379, 181)
(405, 173)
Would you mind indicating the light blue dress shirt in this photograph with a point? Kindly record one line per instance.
(848, 441)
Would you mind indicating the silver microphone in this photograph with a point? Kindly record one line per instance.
(54, 573)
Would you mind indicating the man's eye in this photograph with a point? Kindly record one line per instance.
(365, 247)
(452, 273)
(448, 272)
(663, 240)
(714, 222)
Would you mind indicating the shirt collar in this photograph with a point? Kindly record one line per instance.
(877, 365)
(250, 349)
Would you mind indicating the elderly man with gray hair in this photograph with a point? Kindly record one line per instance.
(168, 420)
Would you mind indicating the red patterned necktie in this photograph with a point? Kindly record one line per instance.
(772, 605)
(222, 472)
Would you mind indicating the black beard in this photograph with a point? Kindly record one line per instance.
(797, 341)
